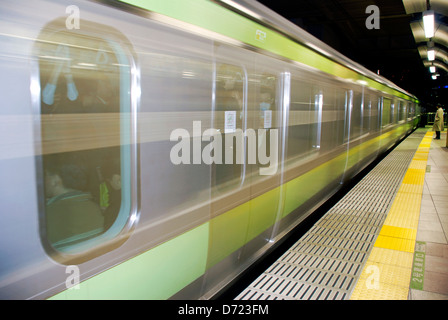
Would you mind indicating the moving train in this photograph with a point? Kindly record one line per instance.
(157, 149)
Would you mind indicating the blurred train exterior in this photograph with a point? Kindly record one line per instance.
(104, 84)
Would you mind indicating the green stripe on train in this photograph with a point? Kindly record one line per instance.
(213, 17)
(155, 274)
(164, 270)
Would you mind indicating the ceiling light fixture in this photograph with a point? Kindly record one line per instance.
(431, 51)
(431, 54)
(428, 23)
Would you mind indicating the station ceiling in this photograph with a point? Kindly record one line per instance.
(397, 50)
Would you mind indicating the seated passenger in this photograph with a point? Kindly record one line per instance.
(71, 214)
(113, 189)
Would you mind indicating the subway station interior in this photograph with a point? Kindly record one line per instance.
(224, 152)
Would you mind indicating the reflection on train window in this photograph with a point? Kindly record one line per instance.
(356, 116)
(306, 104)
(392, 112)
(401, 111)
(265, 101)
(85, 139)
(266, 115)
(366, 114)
(386, 119)
(333, 117)
(375, 104)
(411, 110)
(229, 119)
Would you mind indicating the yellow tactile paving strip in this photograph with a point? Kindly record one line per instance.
(387, 272)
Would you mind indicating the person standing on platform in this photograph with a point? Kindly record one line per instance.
(438, 122)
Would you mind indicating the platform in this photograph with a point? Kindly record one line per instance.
(386, 239)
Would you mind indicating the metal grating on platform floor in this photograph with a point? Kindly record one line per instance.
(327, 261)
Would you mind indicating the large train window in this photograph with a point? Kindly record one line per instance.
(411, 111)
(229, 120)
(305, 114)
(366, 114)
(375, 105)
(386, 119)
(86, 138)
(401, 111)
(356, 116)
(393, 113)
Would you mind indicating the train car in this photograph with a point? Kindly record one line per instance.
(157, 149)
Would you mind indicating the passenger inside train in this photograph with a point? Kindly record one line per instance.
(71, 214)
(111, 192)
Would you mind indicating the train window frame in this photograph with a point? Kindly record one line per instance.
(228, 128)
(386, 106)
(310, 102)
(128, 97)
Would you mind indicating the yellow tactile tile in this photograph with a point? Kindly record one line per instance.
(405, 210)
(411, 188)
(418, 164)
(393, 243)
(425, 144)
(398, 232)
(403, 219)
(391, 257)
(423, 149)
(385, 274)
(384, 292)
(421, 155)
(414, 176)
(405, 204)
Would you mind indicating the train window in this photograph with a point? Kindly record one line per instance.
(402, 111)
(85, 132)
(393, 113)
(366, 114)
(374, 113)
(410, 110)
(333, 116)
(301, 119)
(340, 105)
(267, 117)
(356, 116)
(386, 119)
(229, 120)
(265, 100)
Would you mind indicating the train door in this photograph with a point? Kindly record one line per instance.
(230, 188)
(268, 105)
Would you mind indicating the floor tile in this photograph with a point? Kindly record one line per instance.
(436, 264)
(426, 295)
(430, 225)
(435, 282)
(431, 236)
(428, 217)
(437, 249)
(440, 198)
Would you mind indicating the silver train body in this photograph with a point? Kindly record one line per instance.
(94, 85)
